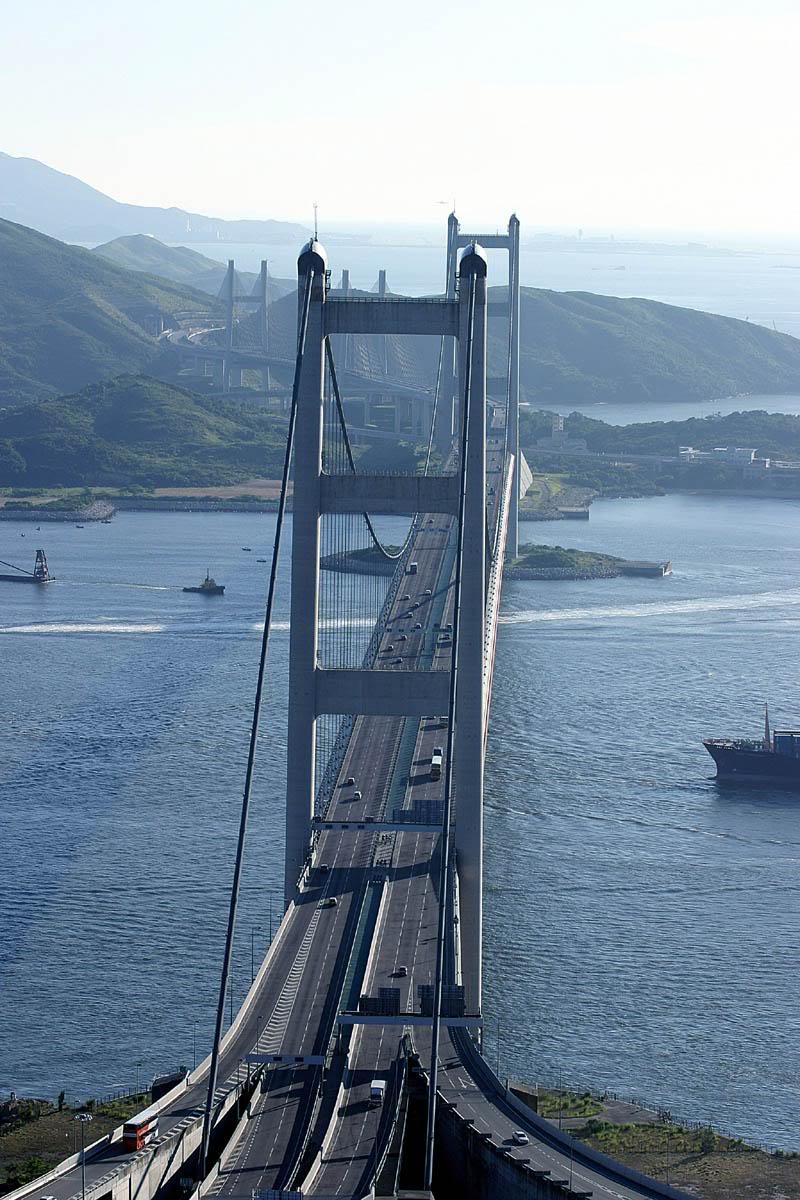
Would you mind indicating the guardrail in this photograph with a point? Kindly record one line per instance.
(557, 1139)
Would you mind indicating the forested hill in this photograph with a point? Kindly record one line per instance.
(136, 430)
(580, 348)
(577, 348)
(69, 317)
(181, 264)
(772, 434)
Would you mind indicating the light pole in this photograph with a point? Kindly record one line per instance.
(84, 1119)
(499, 1032)
(253, 929)
(194, 1046)
(230, 998)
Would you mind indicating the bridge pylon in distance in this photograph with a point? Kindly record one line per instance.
(314, 690)
(448, 399)
(231, 296)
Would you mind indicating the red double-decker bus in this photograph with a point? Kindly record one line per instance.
(140, 1130)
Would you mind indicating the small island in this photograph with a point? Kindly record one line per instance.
(533, 562)
(562, 562)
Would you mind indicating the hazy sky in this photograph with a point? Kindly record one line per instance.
(606, 114)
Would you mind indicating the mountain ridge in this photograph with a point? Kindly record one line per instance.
(63, 206)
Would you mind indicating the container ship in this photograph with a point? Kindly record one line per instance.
(775, 756)
(39, 574)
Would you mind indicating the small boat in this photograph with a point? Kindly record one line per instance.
(209, 587)
(79, 526)
(261, 560)
(249, 549)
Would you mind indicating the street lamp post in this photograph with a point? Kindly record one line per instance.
(84, 1119)
(499, 1034)
(194, 1046)
(253, 929)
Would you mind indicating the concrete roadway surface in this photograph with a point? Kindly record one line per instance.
(479, 1095)
(406, 936)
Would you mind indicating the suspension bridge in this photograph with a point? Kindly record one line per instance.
(354, 1067)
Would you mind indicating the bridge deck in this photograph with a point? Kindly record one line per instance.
(299, 994)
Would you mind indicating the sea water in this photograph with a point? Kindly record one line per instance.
(642, 922)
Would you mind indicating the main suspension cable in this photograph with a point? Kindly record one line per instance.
(251, 756)
(351, 461)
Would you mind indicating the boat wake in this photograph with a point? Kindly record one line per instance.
(94, 627)
(745, 602)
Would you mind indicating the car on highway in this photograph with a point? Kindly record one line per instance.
(356, 795)
(389, 648)
(397, 662)
(403, 637)
(328, 902)
(418, 625)
(428, 592)
(520, 1137)
(401, 972)
(406, 597)
(350, 781)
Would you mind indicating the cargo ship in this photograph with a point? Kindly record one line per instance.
(209, 587)
(39, 574)
(774, 757)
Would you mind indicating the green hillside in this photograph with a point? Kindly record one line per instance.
(68, 317)
(139, 252)
(579, 348)
(774, 434)
(136, 430)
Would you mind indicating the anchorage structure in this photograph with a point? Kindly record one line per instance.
(314, 691)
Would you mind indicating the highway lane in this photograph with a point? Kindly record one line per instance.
(475, 1097)
(406, 936)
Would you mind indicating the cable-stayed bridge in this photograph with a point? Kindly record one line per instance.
(353, 1068)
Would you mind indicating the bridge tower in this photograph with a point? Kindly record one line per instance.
(491, 241)
(231, 295)
(314, 690)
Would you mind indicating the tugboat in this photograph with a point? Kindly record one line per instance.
(209, 587)
(774, 757)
